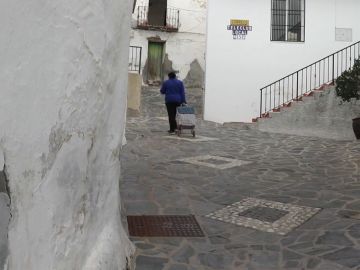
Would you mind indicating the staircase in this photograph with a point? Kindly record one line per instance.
(318, 114)
(283, 93)
(305, 103)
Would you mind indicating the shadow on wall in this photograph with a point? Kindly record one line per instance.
(4, 218)
(144, 72)
(195, 98)
(168, 67)
(195, 77)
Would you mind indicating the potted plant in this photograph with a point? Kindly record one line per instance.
(348, 87)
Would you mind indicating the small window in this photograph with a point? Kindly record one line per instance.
(288, 20)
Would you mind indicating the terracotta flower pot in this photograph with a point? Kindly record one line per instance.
(356, 127)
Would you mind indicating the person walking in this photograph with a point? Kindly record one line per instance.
(174, 92)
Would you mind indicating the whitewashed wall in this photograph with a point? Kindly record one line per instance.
(62, 115)
(182, 47)
(237, 69)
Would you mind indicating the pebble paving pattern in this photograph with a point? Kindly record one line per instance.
(303, 171)
(264, 215)
(215, 162)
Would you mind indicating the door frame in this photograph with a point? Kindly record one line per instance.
(163, 42)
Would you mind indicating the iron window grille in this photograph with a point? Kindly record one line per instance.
(135, 54)
(288, 20)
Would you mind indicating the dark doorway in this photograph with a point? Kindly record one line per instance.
(155, 61)
(157, 12)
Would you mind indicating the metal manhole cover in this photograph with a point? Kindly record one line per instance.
(164, 226)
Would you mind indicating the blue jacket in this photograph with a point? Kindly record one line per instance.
(174, 91)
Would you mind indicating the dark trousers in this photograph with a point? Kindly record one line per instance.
(171, 109)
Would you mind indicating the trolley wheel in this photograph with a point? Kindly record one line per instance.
(179, 131)
(193, 133)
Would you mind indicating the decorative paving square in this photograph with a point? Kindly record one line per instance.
(215, 162)
(192, 139)
(263, 215)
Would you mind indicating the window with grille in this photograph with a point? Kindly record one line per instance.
(288, 20)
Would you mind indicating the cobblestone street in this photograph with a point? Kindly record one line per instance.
(306, 192)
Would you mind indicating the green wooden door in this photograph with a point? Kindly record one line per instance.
(155, 61)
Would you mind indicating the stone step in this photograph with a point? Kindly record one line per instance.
(262, 120)
(317, 94)
(294, 104)
(274, 114)
(307, 98)
(277, 110)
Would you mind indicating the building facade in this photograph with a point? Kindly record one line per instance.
(251, 44)
(171, 35)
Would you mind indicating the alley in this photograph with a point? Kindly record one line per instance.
(237, 164)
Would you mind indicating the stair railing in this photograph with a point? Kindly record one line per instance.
(291, 87)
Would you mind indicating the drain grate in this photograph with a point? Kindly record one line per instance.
(164, 226)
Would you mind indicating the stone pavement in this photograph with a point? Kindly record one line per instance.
(271, 174)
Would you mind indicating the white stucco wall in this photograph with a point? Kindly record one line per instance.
(62, 115)
(237, 69)
(184, 46)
